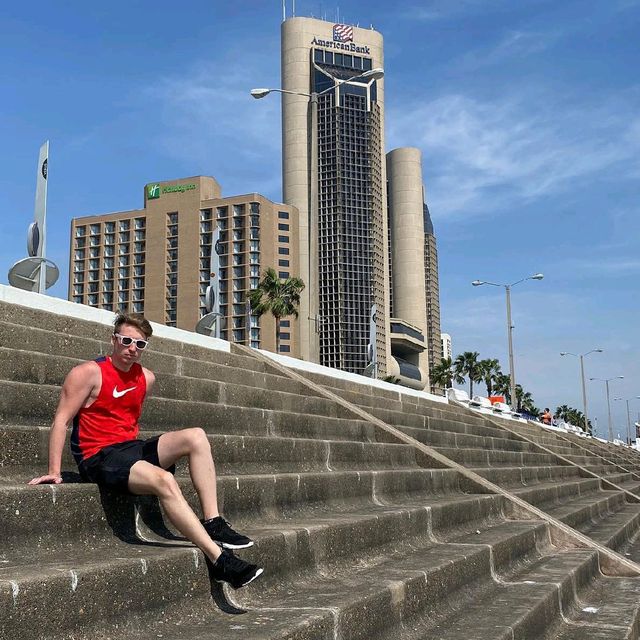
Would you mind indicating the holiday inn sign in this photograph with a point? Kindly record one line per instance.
(154, 190)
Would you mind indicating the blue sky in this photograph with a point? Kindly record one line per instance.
(527, 114)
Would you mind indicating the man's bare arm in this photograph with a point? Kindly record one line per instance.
(77, 388)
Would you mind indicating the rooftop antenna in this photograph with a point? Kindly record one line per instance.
(284, 10)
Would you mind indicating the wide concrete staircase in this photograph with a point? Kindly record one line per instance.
(363, 533)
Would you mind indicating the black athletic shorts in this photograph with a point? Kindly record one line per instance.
(110, 467)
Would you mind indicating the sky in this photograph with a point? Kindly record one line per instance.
(527, 115)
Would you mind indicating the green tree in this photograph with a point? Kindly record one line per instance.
(502, 385)
(444, 374)
(280, 297)
(467, 366)
(489, 370)
(562, 412)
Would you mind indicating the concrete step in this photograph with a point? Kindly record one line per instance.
(547, 493)
(385, 542)
(490, 457)
(441, 437)
(36, 404)
(240, 454)
(20, 365)
(80, 510)
(162, 355)
(510, 477)
(34, 369)
(362, 598)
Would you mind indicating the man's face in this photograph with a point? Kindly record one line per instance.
(129, 354)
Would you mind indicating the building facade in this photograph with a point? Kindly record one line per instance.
(157, 260)
(343, 251)
(432, 294)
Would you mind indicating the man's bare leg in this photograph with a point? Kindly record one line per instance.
(193, 443)
(147, 479)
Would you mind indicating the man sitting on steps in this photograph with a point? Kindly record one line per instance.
(104, 400)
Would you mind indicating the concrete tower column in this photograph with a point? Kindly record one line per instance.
(404, 172)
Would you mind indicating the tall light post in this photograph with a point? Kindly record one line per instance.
(507, 287)
(606, 382)
(313, 267)
(627, 400)
(584, 388)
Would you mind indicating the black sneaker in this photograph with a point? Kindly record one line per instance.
(234, 570)
(222, 533)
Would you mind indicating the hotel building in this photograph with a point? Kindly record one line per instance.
(157, 260)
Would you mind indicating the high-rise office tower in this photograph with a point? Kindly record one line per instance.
(343, 252)
(157, 260)
(432, 294)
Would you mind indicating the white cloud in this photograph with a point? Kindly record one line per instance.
(435, 10)
(513, 148)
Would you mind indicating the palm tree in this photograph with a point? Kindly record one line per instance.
(490, 369)
(467, 366)
(280, 297)
(563, 411)
(502, 385)
(444, 374)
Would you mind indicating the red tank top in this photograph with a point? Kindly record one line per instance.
(113, 416)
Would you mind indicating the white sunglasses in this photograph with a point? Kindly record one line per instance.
(127, 341)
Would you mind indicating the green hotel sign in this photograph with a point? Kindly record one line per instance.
(154, 190)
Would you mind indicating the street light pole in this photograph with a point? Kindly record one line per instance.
(609, 412)
(627, 400)
(584, 388)
(606, 381)
(512, 370)
(314, 294)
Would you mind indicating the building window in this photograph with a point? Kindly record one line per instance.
(94, 229)
(255, 207)
(124, 225)
(285, 348)
(81, 231)
(283, 263)
(285, 323)
(138, 307)
(109, 227)
(172, 217)
(283, 239)
(284, 335)
(139, 223)
(283, 251)
(283, 275)
(283, 226)
(221, 212)
(205, 214)
(283, 215)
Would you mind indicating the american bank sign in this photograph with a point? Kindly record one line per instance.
(342, 39)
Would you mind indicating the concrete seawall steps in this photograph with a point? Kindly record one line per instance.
(365, 532)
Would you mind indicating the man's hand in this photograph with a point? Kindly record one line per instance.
(50, 478)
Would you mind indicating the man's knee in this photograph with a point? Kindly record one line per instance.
(197, 437)
(165, 483)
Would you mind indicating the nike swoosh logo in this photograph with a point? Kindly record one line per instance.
(119, 394)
